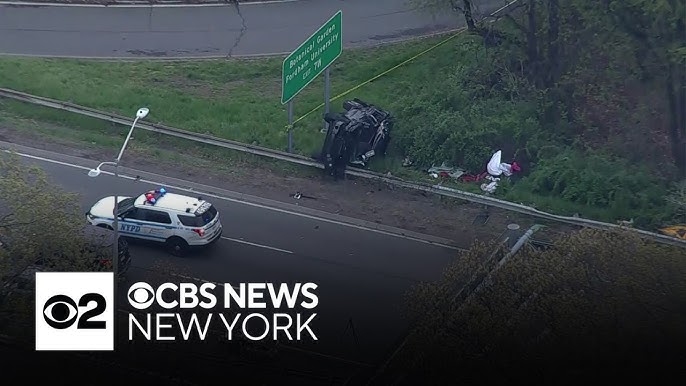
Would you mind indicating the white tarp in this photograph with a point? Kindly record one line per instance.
(496, 168)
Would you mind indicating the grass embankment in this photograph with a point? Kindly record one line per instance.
(240, 100)
(234, 99)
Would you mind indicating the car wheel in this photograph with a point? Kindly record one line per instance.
(105, 226)
(383, 146)
(177, 246)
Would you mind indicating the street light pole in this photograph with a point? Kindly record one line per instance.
(140, 114)
(115, 260)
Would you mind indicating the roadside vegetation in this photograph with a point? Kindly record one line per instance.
(589, 97)
(597, 307)
(35, 217)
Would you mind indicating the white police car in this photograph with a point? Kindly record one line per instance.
(178, 221)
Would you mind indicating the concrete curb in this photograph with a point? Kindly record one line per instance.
(139, 3)
(225, 57)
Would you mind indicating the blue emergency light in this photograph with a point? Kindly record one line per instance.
(152, 196)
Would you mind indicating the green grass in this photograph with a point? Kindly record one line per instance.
(233, 99)
(106, 138)
(240, 100)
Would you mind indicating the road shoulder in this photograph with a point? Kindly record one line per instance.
(370, 201)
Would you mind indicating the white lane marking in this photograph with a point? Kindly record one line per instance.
(196, 279)
(62, 5)
(203, 280)
(286, 211)
(187, 277)
(256, 245)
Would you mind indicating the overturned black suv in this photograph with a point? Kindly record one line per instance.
(355, 136)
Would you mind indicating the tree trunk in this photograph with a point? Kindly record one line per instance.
(469, 18)
(676, 99)
(532, 43)
(553, 72)
(467, 11)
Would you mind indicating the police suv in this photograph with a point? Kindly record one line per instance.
(178, 221)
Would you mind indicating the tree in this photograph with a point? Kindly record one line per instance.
(597, 307)
(465, 8)
(678, 198)
(39, 224)
(610, 31)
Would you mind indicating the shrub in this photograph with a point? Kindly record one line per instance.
(596, 180)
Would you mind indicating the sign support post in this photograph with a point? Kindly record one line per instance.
(307, 62)
(290, 126)
(327, 94)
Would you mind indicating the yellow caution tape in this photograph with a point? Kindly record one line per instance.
(341, 95)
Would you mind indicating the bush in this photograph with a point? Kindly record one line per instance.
(598, 307)
(39, 223)
(593, 179)
(462, 118)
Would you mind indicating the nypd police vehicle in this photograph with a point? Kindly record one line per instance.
(177, 221)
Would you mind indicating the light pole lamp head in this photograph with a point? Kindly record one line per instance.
(96, 172)
(142, 112)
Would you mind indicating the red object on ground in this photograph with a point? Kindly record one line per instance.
(516, 167)
(472, 177)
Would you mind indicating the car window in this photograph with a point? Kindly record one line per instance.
(157, 217)
(199, 220)
(209, 215)
(191, 221)
(131, 214)
(126, 205)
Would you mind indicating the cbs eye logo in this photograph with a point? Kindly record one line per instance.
(61, 312)
(141, 295)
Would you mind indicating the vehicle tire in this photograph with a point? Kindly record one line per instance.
(383, 146)
(363, 148)
(105, 226)
(177, 246)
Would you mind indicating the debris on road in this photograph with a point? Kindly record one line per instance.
(445, 171)
(298, 195)
(495, 168)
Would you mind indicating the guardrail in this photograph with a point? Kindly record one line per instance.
(304, 161)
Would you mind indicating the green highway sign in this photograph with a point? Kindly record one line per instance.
(313, 56)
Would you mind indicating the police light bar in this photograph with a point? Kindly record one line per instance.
(152, 196)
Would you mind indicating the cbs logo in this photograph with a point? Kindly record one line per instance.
(61, 312)
(142, 295)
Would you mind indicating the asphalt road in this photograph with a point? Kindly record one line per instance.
(216, 31)
(362, 274)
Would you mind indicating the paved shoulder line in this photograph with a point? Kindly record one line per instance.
(141, 4)
(226, 195)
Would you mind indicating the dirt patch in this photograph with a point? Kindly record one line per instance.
(456, 220)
